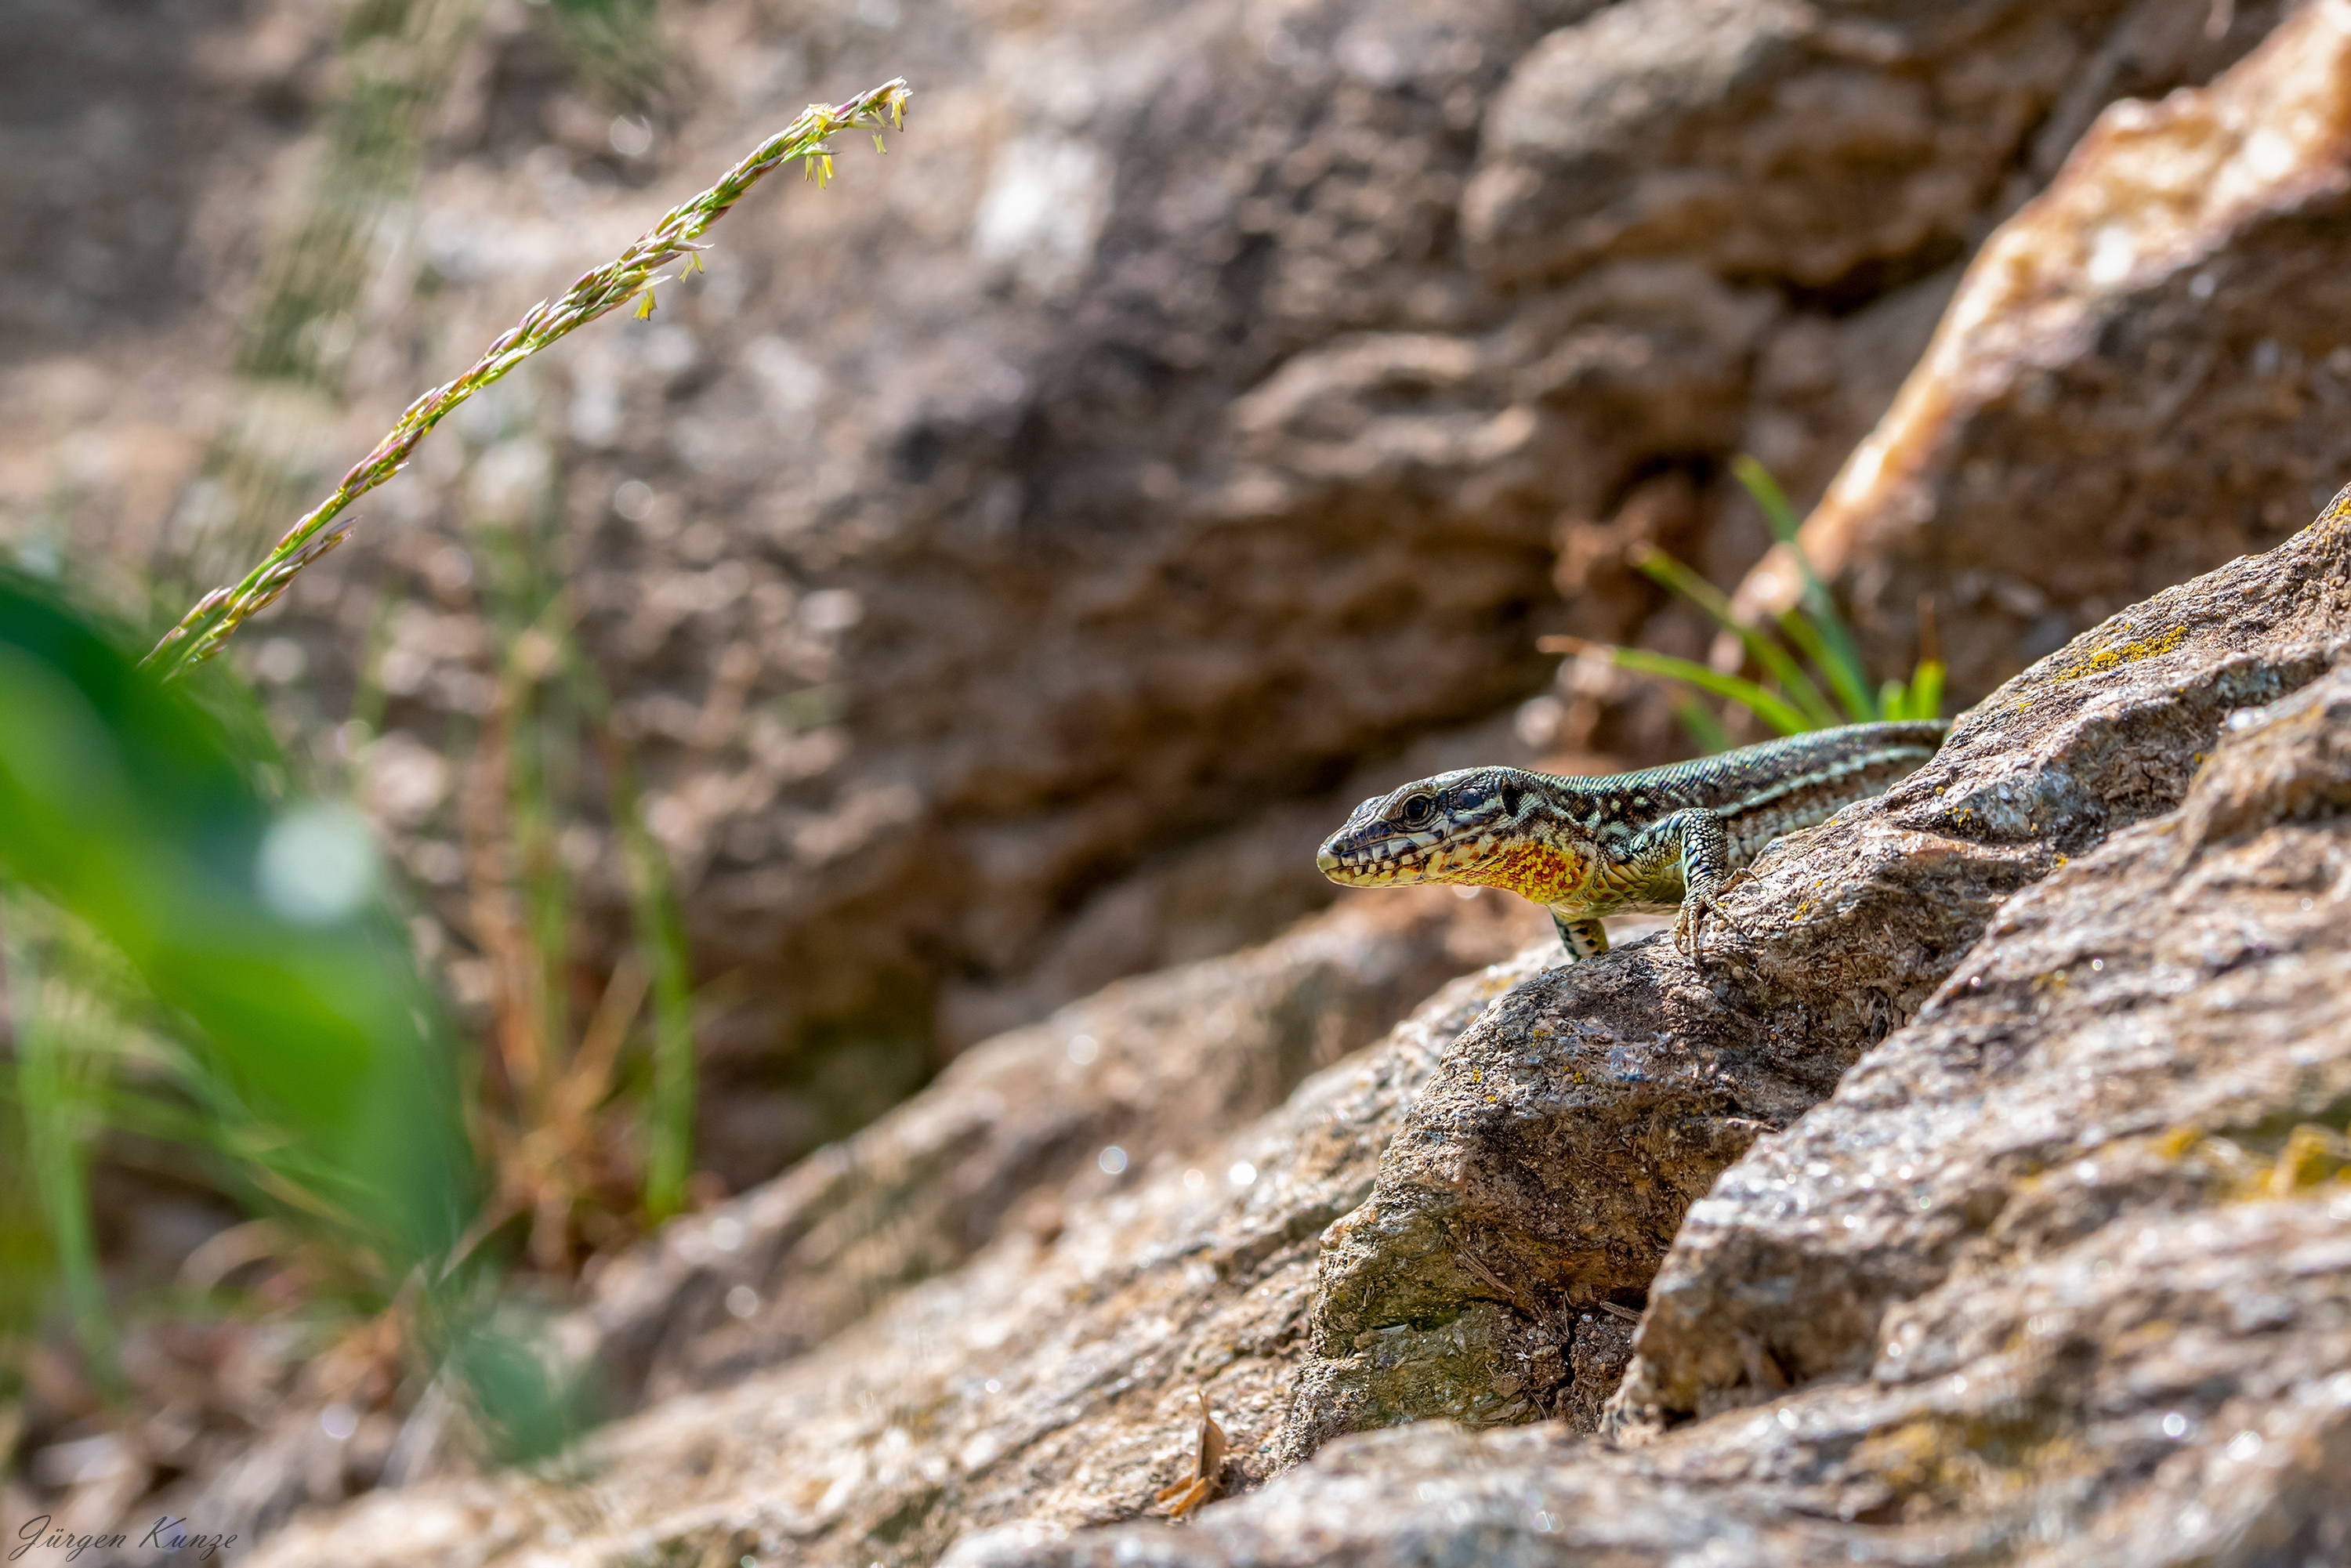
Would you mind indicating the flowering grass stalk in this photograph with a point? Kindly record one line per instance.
(631, 276)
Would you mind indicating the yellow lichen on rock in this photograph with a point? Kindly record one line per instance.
(2106, 659)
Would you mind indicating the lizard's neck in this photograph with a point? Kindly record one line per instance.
(1543, 855)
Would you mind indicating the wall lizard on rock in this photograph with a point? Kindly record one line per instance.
(1673, 838)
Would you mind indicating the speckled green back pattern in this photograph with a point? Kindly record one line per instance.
(1760, 791)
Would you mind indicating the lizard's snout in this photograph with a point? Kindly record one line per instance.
(1325, 861)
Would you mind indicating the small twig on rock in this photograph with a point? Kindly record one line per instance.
(1204, 1483)
(1477, 1266)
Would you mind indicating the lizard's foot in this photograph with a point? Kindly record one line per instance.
(1584, 939)
(1699, 902)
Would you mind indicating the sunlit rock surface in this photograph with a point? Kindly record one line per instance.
(2023, 1126)
(1148, 1072)
(2061, 1273)
(2145, 372)
(983, 556)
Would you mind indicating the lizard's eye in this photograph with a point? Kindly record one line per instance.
(1416, 811)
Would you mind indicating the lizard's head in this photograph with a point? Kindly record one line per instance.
(1465, 827)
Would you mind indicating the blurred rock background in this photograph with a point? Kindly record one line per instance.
(1004, 565)
(1005, 562)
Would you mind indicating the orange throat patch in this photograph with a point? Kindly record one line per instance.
(1536, 872)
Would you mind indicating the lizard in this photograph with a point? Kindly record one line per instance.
(1673, 839)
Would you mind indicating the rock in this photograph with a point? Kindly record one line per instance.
(1157, 1068)
(1784, 140)
(1053, 1378)
(2160, 346)
(2038, 1100)
(1051, 1382)
(2062, 1270)
(987, 549)
(1554, 1157)
(1828, 145)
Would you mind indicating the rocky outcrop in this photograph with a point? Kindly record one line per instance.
(2157, 351)
(1554, 1157)
(2061, 1272)
(1150, 1071)
(1055, 1381)
(1187, 408)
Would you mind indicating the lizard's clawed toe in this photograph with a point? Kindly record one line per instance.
(1697, 905)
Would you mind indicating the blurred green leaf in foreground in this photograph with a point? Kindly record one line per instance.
(187, 961)
(297, 1042)
(123, 804)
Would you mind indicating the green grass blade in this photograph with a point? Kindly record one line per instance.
(368, 695)
(1704, 728)
(661, 942)
(1767, 706)
(1758, 481)
(53, 1136)
(1671, 574)
(532, 815)
(1851, 685)
(1927, 689)
(1841, 661)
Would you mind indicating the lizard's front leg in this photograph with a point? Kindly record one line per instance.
(1706, 873)
(1582, 938)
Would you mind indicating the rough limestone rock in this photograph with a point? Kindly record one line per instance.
(1552, 1158)
(1054, 1381)
(2157, 351)
(1054, 1378)
(986, 546)
(1769, 138)
(2037, 1098)
(2062, 1271)
(1156, 1068)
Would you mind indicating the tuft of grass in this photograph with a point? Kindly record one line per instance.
(297, 1037)
(1812, 672)
(153, 984)
(660, 930)
(614, 48)
(53, 1091)
(633, 276)
(551, 1132)
(175, 976)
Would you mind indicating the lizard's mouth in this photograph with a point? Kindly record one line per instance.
(1384, 867)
